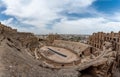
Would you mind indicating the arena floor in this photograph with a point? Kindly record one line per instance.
(56, 54)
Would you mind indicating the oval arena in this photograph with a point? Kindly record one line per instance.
(57, 54)
(65, 54)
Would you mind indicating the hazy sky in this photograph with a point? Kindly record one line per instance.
(61, 16)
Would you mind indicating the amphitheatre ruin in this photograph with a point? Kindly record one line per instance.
(25, 55)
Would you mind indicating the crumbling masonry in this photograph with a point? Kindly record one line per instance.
(98, 40)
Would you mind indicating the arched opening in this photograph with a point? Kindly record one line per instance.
(62, 65)
(80, 55)
(91, 50)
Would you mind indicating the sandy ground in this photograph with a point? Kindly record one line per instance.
(58, 58)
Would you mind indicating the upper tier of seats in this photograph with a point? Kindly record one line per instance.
(77, 47)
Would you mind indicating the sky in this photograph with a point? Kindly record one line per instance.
(61, 16)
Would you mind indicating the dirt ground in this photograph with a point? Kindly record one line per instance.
(58, 58)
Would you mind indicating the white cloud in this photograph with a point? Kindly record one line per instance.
(86, 26)
(116, 16)
(7, 22)
(41, 12)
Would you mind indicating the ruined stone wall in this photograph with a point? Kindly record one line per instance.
(4, 28)
(27, 40)
(52, 37)
(87, 52)
(76, 47)
(97, 40)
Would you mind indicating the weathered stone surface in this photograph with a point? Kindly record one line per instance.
(110, 42)
(15, 56)
(20, 56)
